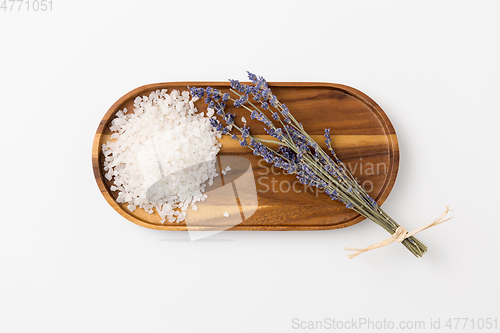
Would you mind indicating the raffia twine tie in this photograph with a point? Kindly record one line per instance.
(399, 235)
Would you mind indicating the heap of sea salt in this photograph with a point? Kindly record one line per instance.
(165, 135)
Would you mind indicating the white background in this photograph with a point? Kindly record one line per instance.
(70, 263)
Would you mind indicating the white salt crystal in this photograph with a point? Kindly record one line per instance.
(181, 217)
(228, 168)
(243, 120)
(226, 214)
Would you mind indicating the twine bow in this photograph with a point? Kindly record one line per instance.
(399, 235)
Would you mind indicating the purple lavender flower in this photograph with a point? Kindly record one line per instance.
(213, 122)
(219, 110)
(273, 101)
(284, 110)
(245, 132)
(235, 84)
(252, 77)
(254, 115)
(197, 92)
(229, 118)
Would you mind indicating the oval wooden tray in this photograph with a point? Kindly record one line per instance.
(362, 136)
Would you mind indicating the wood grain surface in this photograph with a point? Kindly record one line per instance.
(362, 136)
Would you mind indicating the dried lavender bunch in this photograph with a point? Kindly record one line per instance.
(297, 152)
